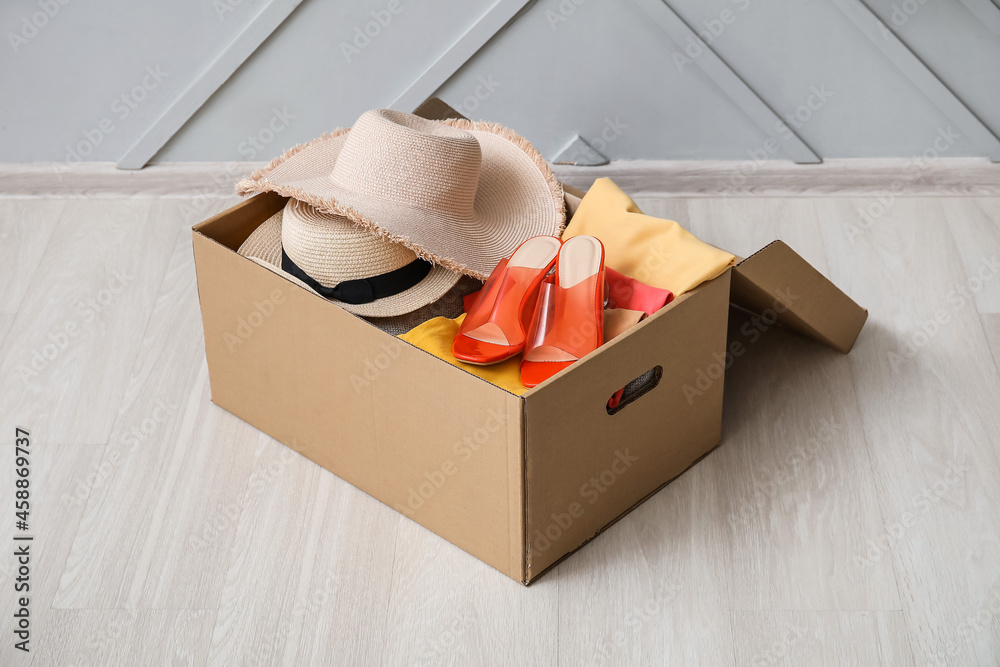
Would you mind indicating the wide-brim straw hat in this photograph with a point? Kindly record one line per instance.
(334, 257)
(461, 194)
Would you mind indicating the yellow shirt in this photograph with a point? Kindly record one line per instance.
(654, 251)
(438, 335)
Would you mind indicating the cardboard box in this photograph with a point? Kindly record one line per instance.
(520, 482)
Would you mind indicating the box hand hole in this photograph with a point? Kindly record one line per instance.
(635, 389)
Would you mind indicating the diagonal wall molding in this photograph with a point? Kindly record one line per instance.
(911, 67)
(466, 46)
(726, 79)
(502, 12)
(986, 12)
(206, 83)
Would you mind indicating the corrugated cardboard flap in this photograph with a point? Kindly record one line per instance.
(434, 108)
(777, 282)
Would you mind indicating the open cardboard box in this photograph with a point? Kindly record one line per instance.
(520, 482)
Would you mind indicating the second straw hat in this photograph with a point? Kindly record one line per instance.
(462, 194)
(345, 263)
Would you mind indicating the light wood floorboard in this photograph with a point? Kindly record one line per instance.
(975, 225)
(158, 528)
(58, 473)
(851, 515)
(25, 228)
(447, 609)
(928, 399)
(126, 637)
(72, 342)
(793, 638)
(991, 325)
(796, 487)
(304, 585)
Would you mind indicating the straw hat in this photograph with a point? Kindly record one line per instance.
(461, 194)
(345, 263)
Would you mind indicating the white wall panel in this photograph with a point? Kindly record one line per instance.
(961, 48)
(599, 68)
(313, 67)
(563, 74)
(82, 80)
(784, 50)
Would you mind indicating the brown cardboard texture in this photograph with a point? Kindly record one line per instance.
(584, 468)
(519, 482)
(422, 436)
(777, 280)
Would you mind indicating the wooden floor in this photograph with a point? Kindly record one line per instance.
(850, 517)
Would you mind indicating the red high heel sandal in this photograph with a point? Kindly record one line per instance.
(569, 316)
(494, 329)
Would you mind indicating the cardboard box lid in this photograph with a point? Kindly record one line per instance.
(776, 282)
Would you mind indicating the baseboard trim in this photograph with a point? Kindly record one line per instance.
(773, 178)
(833, 178)
(103, 179)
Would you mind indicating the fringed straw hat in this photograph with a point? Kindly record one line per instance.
(459, 193)
(345, 263)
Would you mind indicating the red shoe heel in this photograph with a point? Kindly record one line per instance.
(494, 329)
(569, 317)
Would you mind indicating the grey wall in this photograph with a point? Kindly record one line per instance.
(875, 79)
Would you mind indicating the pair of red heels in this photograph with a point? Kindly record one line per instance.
(554, 319)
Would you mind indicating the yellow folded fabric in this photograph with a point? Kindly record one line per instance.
(437, 336)
(652, 250)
